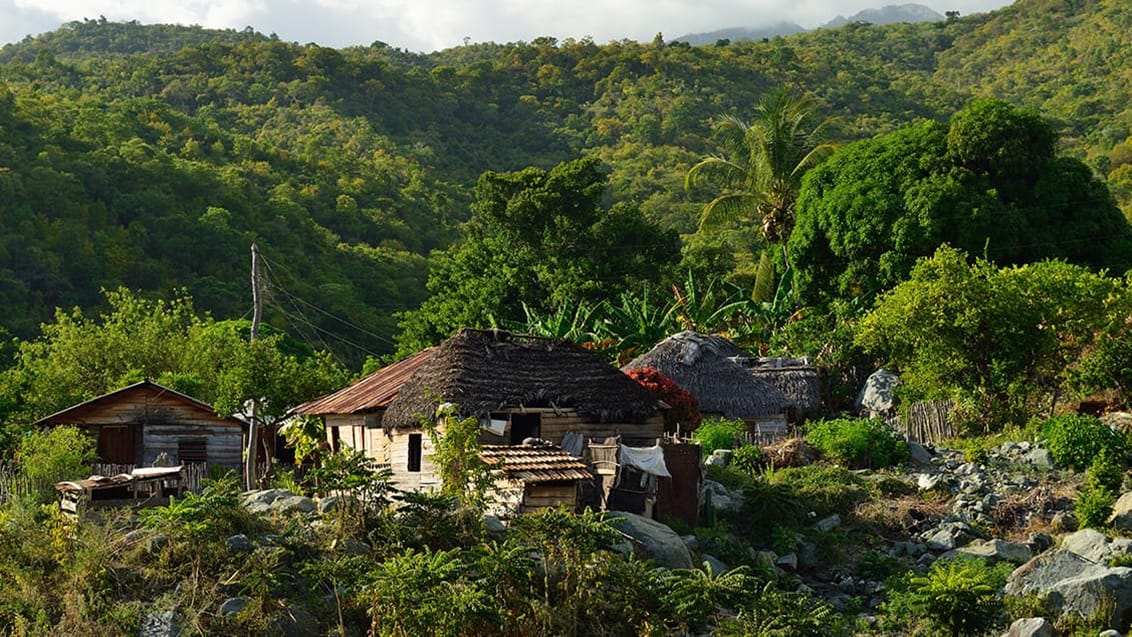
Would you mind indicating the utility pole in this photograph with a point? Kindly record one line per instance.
(250, 478)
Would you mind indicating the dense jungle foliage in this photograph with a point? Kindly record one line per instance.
(151, 157)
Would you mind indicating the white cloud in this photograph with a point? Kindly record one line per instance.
(431, 24)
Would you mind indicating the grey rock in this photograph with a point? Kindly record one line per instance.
(787, 562)
(294, 504)
(493, 524)
(1121, 517)
(919, 453)
(233, 606)
(1110, 633)
(825, 525)
(1094, 545)
(658, 541)
(1074, 584)
(878, 395)
(949, 536)
(353, 546)
(925, 560)
(239, 544)
(266, 496)
(714, 461)
(329, 503)
(1064, 522)
(1031, 627)
(1039, 541)
(713, 565)
(998, 550)
(163, 624)
(1039, 458)
(807, 553)
(929, 481)
(765, 559)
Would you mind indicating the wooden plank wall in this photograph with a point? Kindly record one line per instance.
(555, 425)
(547, 495)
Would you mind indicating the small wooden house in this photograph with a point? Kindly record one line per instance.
(135, 424)
(534, 477)
(518, 387)
(705, 366)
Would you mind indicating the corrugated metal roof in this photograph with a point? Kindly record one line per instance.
(368, 393)
(535, 464)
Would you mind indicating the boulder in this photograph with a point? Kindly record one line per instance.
(1073, 584)
(294, 621)
(294, 504)
(1094, 545)
(929, 481)
(919, 453)
(878, 396)
(997, 551)
(713, 565)
(659, 542)
(949, 536)
(1121, 518)
(1039, 458)
(1031, 627)
(825, 525)
(1064, 522)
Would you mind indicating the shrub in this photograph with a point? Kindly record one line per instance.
(1075, 440)
(1094, 506)
(47, 457)
(774, 613)
(858, 442)
(719, 433)
(956, 597)
(823, 489)
(748, 459)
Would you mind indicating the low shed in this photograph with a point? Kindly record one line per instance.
(534, 477)
(135, 424)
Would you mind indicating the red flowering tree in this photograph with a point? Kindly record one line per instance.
(685, 410)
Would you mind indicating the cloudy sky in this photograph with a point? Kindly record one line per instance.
(426, 25)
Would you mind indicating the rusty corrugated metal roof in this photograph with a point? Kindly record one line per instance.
(535, 464)
(369, 392)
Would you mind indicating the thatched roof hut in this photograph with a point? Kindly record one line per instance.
(703, 364)
(797, 378)
(486, 371)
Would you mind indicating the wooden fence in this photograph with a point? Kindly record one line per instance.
(13, 484)
(926, 421)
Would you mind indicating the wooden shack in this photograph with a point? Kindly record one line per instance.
(534, 477)
(518, 387)
(135, 424)
(705, 365)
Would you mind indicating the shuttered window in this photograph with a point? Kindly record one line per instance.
(192, 450)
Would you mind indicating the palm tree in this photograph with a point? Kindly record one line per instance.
(761, 173)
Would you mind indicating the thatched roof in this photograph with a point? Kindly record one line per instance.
(486, 371)
(796, 377)
(703, 365)
(369, 393)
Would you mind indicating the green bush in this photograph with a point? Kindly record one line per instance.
(956, 597)
(824, 489)
(858, 442)
(1075, 441)
(748, 459)
(47, 457)
(1094, 506)
(719, 433)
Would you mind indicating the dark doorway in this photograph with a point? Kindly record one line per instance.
(524, 426)
(117, 444)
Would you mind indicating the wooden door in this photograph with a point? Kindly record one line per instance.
(117, 444)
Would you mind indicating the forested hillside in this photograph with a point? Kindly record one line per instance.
(153, 156)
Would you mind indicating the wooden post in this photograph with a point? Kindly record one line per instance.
(250, 477)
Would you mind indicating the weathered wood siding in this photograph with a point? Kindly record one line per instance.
(159, 423)
(547, 495)
(427, 479)
(555, 424)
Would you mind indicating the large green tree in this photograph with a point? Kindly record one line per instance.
(538, 239)
(989, 183)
